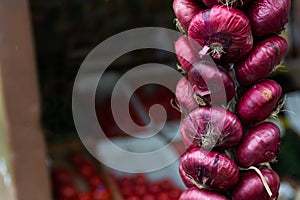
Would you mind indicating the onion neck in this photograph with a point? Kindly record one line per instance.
(199, 100)
(198, 185)
(230, 3)
(279, 108)
(216, 50)
(179, 26)
(210, 139)
(174, 103)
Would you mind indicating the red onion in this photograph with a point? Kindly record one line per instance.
(187, 181)
(185, 10)
(259, 101)
(268, 16)
(232, 3)
(208, 79)
(211, 128)
(185, 54)
(261, 61)
(224, 32)
(196, 194)
(212, 170)
(250, 185)
(184, 96)
(261, 144)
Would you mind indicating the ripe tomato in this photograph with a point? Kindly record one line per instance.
(166, 184)
(86, 169)
(101, 193)
(163, 196)
(140, 190)
(85, 196)
(133, 197)
(67, 191)
(155, 188)
(140, 179)
(148, 197)
(94, 180)
(126, 182)
(62, 176)
(175, 193)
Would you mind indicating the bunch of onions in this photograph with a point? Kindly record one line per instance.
(229, 140)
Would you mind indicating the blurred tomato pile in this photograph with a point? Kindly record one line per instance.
(82, 181)
(80, 178)
(137, 187)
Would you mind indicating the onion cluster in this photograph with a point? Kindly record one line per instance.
(227, 52)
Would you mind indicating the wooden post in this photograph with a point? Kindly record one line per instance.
(25, 148)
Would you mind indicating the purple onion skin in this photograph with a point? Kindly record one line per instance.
(185, 10)
(250, 185)
(188, 141)
(268, 16)
(237, 3)
(261, 144)
(184, 95)
(213, 170)
(226, 129)
(196, 194)
(262, 60)
(187, 182)
(258, 102)
(185, 54)
(203, 74)
(228, 27)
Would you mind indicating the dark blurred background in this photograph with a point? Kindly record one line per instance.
(66, 31)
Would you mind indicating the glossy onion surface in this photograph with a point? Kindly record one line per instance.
(258, 102)
(260, 144)
(226, 31)
(213, 170)
(262, 60)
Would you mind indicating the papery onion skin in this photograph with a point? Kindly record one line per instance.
(236, 3)
(261, 60)
(211, 127)
(204, 74)
(258, 102)
(250, 185)
(260, 144)
(187, 182)
(268, 16)
(185, 54)
(228, 27)
(185, 10)
(185, 96)
(196, 194)
(213, 170)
